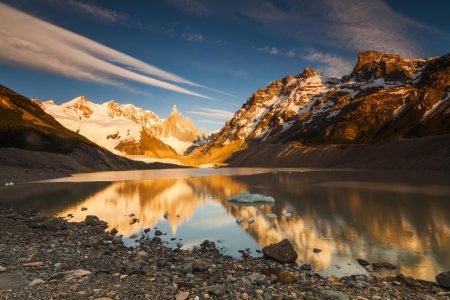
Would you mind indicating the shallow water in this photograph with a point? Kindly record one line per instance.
(401, 218)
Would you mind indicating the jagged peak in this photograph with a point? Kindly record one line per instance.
(391, 67)
(308, 72)
(175, 109)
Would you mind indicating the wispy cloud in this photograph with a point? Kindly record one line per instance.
(31, 42)
(346, 24)
(269, 50)
(291, 53)
(212, 113)
(97, 12)
(329, 65)
(192, 37)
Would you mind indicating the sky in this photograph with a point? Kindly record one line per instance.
(205, 56)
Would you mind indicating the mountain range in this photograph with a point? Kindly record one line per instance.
(32, 139)
(389, 111)
(126, 129)
(385, 98)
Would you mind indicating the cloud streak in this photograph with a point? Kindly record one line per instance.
(329, 65)
(31, 42)
(212, 113)
(97, 12)
(347, 24)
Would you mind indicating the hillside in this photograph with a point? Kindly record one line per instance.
(385, 98)
(33, 140)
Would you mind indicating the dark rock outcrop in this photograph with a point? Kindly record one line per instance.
(282, 252)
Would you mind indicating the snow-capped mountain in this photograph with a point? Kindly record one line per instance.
(385, 96)
(126, 128)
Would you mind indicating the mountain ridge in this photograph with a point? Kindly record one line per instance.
(126, 128)
(385, 97)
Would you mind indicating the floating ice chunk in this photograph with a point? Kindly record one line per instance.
(239, 220)
(250, 221)
(9, 183)
(249, 198)
(288, 215)
(272, 216)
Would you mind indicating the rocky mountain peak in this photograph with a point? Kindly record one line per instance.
(308, 73)
(391, 67)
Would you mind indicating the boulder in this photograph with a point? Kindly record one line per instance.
(443, 279)
(91, 220)
(282, 252)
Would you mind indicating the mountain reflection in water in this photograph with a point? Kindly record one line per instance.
(345, 214)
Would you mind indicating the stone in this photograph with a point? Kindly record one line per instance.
(383, 265)
(286, 277)
(91, 220)
(334, 295)
(83, 208)
(114, 232)
(182, 296)
(2, 269)
(443, 279)
(34, 264)
(282, 252)
(306, 267)
(158, 232)
(37, 281)
(362, 262)
(216, 289)
(317, 250)
(256, 278)
(142, 253)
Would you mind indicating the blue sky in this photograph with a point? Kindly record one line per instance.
(210, 55)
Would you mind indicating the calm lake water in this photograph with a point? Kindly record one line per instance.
(401, 218)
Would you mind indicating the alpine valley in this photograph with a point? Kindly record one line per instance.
(387, 110)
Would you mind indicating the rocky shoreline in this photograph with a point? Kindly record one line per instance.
(50, 258)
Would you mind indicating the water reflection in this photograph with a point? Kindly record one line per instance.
(345, 214)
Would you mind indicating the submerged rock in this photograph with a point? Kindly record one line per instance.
(443, 279)
(282, 251)
(249, 198)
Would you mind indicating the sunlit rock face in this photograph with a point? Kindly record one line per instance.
(385, 96)
(125, 128)
(346, 219)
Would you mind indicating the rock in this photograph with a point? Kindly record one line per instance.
(70, 275)
(92, 220)
(158, 232)
(250, 220)
(443, 279)
(34, 264)
(142, 253)
(362, 262)
(216, 290)
(208, 245)
(114, 232)
(287, 215)
(335, 295)
(83, 208)
(306, 267)
(256, 278)
(239, 220)
(2, 269)
(37, 281)
(249, 198)
(286, 277)
(200, 266)
(182, 296)
(383, 265)
(282, 252)
(317, 250)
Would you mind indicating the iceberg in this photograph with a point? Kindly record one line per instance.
(247, 198)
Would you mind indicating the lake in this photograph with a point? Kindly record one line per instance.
(397, 217)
